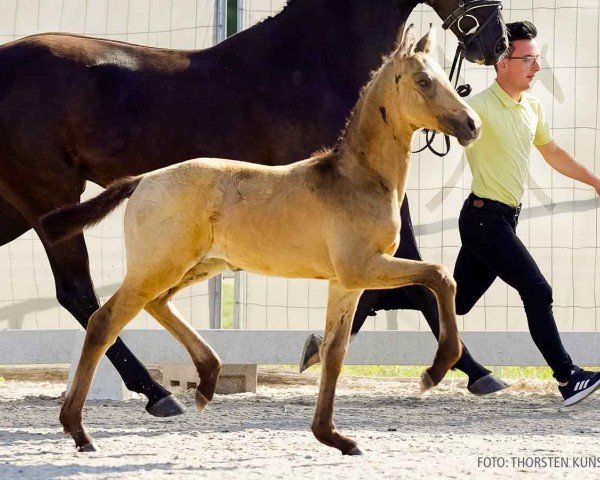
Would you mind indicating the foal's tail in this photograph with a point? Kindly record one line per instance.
(67, 221)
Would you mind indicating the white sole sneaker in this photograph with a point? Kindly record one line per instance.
(579, 396)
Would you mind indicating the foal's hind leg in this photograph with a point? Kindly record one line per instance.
(341, 306)
(75, 292)
(205, 359)
(103, 328)
(150, 274)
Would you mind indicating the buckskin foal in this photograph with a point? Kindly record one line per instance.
(74, 109)
(334, 216)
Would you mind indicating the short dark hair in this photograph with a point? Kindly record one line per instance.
(523, 30)
(520, 31)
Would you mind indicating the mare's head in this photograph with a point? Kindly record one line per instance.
(424, 96)
(478, 24)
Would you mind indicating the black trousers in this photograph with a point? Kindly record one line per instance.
(490, 249)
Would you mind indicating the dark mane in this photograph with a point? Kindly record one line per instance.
(326, 167)
(283, 11)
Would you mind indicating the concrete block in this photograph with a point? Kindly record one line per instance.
(233, 378)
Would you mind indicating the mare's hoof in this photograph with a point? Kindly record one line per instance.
(310, 353)
(88, 447)
(167, 406)
(487, 384)
(355, 451)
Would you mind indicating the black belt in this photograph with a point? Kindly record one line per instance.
(487, 204)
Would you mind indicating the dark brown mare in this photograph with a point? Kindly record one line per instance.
(74, 109)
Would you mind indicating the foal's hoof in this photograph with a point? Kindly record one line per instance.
(201, 401)
(310, 353)
(426, 382)
(487, 384)
(88, 447)
(167, 406)
(355, 451)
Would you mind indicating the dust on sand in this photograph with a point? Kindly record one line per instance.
(446, 433)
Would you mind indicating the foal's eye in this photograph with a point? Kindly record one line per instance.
(424, 83)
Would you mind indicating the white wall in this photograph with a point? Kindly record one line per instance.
(27, 295)
(559, 223)
(562, 235)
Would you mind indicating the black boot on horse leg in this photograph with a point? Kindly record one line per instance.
(75, 292)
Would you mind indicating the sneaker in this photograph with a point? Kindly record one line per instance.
(581, 384)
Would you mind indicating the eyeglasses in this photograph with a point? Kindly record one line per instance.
(528, 60)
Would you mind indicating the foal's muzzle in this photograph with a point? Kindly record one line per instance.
(463, 126)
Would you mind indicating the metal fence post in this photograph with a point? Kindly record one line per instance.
(214, 296)
(220, 20)
(238, 300)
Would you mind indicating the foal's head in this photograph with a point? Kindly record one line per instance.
(425, 97)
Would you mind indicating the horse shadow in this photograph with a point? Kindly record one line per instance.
(16, 312)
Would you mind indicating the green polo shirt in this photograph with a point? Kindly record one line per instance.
(499, 158)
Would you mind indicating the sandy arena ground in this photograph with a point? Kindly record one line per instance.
(443, 434)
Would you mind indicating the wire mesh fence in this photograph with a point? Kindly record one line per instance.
(559, 222)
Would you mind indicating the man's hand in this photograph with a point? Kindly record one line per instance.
(597, 186)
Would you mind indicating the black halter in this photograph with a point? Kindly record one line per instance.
(456, 17)
(462, 12)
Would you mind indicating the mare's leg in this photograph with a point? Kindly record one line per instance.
(12, 223)
(12, 226)
(20, 210)
(418, 297)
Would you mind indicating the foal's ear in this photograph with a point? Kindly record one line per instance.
(406, 41)
(427, 43)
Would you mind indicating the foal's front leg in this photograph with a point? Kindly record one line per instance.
(379, 271)
(341, 306)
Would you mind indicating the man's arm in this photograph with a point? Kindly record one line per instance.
(563, 162)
